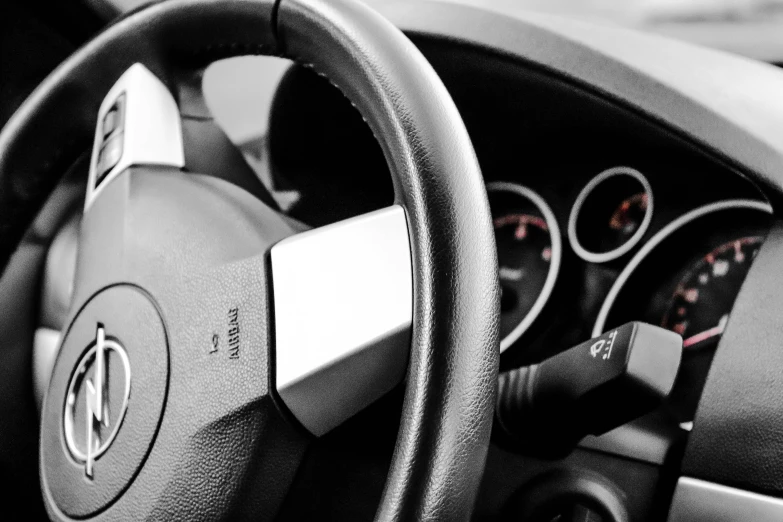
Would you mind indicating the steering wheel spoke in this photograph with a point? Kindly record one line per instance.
(343, 307)
(138, 124)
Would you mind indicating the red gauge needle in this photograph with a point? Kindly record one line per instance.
(707, 334)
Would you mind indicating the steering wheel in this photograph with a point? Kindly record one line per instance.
(210, 337)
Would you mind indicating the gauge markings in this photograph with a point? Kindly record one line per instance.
(720, 268)
(522, 240)
(709, 249)
(521, 222)
(629, 214)
(529, 245)
(511, 274)
(700, 306)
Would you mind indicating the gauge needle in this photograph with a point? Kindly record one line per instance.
(707, 334)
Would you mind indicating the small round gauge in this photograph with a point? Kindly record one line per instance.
(610, 215)
(529, 251)
(686, 278)
(700, 306)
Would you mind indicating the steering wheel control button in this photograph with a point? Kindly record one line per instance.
(105, 401)
(114, 118)
(110, 122)
(590, 389)
(112, 140)
(108, 157)
(138, 124)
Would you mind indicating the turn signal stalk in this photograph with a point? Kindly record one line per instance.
(590, 389)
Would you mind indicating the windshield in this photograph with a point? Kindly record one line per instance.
(753, 28)
(239, 90)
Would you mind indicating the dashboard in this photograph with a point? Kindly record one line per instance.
(598, 220)
(601, 217)
(685, 277)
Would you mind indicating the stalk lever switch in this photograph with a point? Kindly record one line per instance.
(590, 389)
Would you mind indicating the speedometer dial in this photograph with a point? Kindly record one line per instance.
(686, 278)
(700, 306)
(529, 250)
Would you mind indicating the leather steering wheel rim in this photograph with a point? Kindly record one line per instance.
(451, 377)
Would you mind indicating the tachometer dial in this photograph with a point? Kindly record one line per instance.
(529, 250)
(702, 300)
(524, 256)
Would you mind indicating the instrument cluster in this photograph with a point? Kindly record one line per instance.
(681, 270)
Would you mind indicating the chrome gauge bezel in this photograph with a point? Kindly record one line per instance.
(603, 257)
(658, 238)
(556, 241)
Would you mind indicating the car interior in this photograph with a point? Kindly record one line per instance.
(412, 260)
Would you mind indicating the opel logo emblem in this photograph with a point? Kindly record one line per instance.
(97, 400)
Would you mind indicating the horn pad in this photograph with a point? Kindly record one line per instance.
(105, 401)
